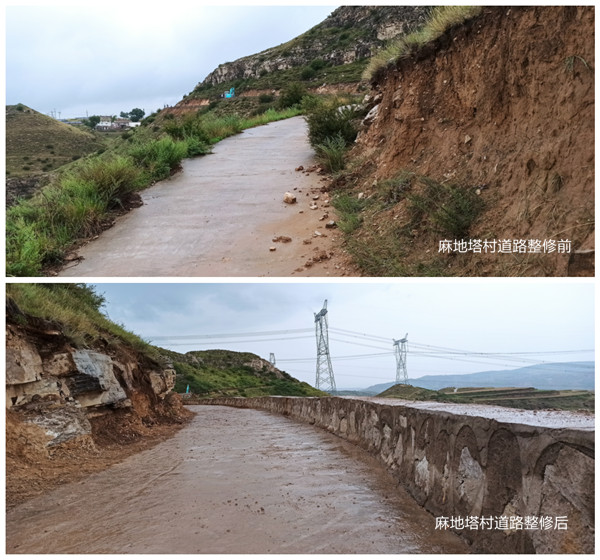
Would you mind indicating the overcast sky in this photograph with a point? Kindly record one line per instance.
(111, 57)
(496, 316)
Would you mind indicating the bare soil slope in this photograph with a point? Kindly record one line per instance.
(33, 468)
(503, 105)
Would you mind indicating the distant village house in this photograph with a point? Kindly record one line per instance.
(106, 124)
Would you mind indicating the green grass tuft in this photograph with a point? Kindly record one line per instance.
(40, 229)
(159, 157)
(451, 209)
(349, 209)
(440, 20)
(331, 153)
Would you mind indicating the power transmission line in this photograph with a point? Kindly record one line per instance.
(353, 357)
(417, 350)
(213, 342)
(358, 344)
(228, 335)
(363, 335)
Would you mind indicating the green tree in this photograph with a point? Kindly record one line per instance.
(136, 115)
(124, 115)
(92, 121)
(307, 73)
(291, 95)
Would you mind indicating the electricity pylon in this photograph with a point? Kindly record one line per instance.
(272, 358)
(325, 380)
(400, 352)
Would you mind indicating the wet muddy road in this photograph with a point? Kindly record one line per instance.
(218, 217)
(233, 481)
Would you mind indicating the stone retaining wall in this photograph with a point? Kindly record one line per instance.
(462, 466)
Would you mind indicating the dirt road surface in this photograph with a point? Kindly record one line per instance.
(233, 481)
(218, 217)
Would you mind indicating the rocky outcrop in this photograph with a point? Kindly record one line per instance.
(61, 388)
(350, 33)
(462, 465)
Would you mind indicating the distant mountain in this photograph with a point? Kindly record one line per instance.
(555, 376)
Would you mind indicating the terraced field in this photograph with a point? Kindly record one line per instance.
(512, 397)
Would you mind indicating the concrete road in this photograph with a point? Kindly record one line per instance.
(219, 215)
(233, 481)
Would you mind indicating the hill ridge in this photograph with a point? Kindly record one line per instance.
(210, 373)
(334, 51)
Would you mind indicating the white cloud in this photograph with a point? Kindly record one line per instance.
(479, 317)
(109, 58)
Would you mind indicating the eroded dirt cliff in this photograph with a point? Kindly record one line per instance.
(502, 106)
(71, 411)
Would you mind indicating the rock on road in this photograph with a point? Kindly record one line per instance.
(218, 216)
(233, 481)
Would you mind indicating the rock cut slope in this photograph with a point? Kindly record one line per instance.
(67, 401)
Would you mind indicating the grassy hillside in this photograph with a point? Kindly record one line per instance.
(330, 75)
(511, 397)
(36, 143)
(217, 373)
(76, 309)
(440, 19)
